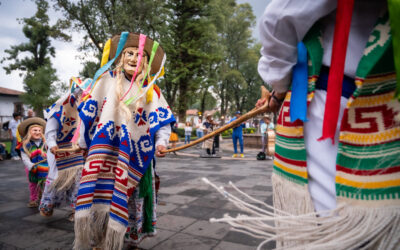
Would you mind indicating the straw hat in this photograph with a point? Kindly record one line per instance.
(133, 41)
(24, 126)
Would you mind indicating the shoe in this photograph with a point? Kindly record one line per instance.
(33, 204)
(234, 155)
(46, 214)
(15, 158)
(241, 155)
(71, 217)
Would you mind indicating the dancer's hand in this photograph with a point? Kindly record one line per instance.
(276, 100)
(159, 150)
(53, 150)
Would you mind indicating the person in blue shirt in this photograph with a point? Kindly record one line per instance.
(237, 135)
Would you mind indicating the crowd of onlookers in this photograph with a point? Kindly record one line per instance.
(206, 126)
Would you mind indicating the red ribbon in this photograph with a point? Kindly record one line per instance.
(334, 91)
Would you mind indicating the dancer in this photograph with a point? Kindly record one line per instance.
(33, 151)
(338, 140)
(125, 122)
(64, 167)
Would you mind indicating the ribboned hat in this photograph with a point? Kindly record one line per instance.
(24, 126)
(133, 41)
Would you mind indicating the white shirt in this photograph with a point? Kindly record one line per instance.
(51, 140)
(286, 22)
(13, 125)
(188, 130)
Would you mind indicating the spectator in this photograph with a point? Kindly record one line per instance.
(12, 129)
(188, 132)
(173, 139)
(3, 153)
(30, 114)
(237, 135)
(199, 129)
(265, 126)
(210, 144)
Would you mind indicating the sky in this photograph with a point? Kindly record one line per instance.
(65, 62)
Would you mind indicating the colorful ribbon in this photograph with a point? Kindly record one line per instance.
(298, 99)
(152, 80)
(344, 12)
(394, 15)
(99, 72)
(142, 42)
(153, 53)
(106, 53)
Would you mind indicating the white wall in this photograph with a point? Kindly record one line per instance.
(7, 105)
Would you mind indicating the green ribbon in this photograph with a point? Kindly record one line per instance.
(394, 15)
(146, 192)
(153, 53)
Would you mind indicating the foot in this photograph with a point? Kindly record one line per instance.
(71, 217)
(241, 155)
(234, 155)
(46, 214)
(15, 158)
(33, 204)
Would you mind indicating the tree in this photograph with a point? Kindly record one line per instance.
(239, 62)
(36, 66)
(100, 19)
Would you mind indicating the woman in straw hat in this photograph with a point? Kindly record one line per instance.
(33, 150)
(125, 122)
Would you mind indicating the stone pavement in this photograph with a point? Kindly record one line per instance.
(185, 205)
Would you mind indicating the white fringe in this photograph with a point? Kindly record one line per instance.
(66, 179)
(91, 226)
(346, 227)
(114, 238)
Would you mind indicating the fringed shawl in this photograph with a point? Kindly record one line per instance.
(120, 152)
(69, 164)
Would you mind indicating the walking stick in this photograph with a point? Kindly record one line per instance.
(254, 112)
(61, 150)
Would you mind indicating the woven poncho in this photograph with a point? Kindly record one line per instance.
(38, 173)
(368, 160)
(119, 153)
(64, 110)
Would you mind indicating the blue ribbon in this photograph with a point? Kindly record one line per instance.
(298, 100)
(121, 44)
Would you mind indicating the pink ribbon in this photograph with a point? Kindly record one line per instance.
(142, 41)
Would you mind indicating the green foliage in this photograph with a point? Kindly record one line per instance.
(89, 69)
(208, 45)
(36, 66)
(38, 85)
(249, 130)
(227, 132)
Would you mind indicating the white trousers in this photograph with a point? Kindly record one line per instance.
(321, 155)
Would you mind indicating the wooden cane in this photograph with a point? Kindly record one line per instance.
(254, 112)
(74, 148)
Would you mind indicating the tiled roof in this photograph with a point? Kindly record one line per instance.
(6, 91)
